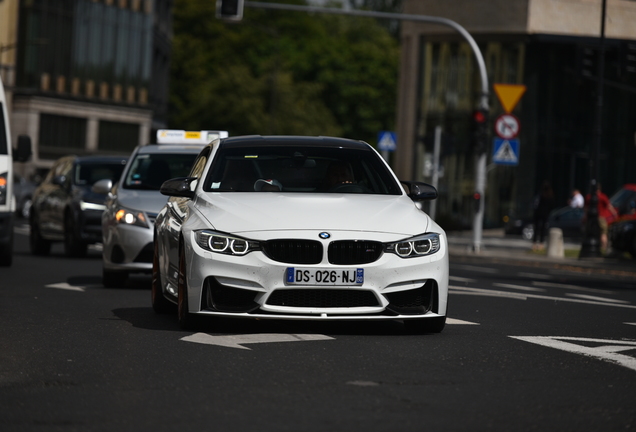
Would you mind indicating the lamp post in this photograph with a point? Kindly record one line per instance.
(591, 242)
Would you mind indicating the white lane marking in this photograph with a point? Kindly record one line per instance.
(491, 293)
(571, 287)
(66, 286)
(535, 275)
(602, 299)
(477, 269)
(607, 352)
(485, 292)
(518, 287)
(634, 324)
(461, 279)
(459, 322)
(237, 341)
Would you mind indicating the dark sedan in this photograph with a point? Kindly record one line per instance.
(65, 208)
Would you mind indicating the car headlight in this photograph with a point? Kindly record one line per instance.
(131, 217)
(421, 245)
(222, 243)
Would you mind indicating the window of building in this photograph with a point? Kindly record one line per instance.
(60, 135)
(118, 137)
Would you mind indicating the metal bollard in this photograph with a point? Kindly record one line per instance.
(555, 243)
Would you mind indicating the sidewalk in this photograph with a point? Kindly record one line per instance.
(497, 247)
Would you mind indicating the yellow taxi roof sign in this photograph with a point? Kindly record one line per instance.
(509, 95)
(173, 136)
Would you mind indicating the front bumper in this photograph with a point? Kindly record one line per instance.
(254, 286)
(128, 248)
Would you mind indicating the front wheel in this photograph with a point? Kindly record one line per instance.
(159, 303)
(39, 246)
(425, 325)
(186, 319)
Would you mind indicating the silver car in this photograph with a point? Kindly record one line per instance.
(134, 202)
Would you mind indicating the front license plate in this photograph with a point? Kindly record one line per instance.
(311, 276)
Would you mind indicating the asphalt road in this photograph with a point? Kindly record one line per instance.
(526, 348)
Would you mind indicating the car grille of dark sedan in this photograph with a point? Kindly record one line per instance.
(322, 298)
(294, 251)
(353, 252)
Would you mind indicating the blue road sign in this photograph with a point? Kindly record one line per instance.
(386, 141)
(505, 151)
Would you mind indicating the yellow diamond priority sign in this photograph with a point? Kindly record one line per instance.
(509, 95)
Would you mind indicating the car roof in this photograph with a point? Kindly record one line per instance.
(100, 159)
(291, 140)
(170, 148)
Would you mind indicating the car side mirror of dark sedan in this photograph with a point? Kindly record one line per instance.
(419, 191)
(178, 187)
(59, 180)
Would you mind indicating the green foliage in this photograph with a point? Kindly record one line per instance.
(281, 72)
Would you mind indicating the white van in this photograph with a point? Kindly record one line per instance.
(7, 199)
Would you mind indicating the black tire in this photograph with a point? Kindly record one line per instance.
(6, 252)
(186, 319)
(425, 325)
(39, 246)
(160, 304)
(113, 279)
(73, 245)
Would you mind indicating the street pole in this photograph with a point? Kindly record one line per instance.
(591, 246)
(480, 162)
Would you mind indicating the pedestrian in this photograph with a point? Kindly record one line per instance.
(606, 214)
(577, 200)
(543, 205)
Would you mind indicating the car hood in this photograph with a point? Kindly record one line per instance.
(250, 212)
(149, 201)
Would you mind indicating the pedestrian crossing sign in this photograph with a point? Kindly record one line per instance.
(386, 141)
(506, 151)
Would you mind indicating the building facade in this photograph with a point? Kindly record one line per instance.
(85, 76)
(550, 46)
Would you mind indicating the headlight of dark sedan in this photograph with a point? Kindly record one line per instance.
(223, 243)
(421, 245)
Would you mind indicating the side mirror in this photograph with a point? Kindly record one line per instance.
(59, 180)
(419, 191)
(102, 186)
(178, 187)
(23, 151)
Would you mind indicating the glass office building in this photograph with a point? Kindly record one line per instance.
(88, 76)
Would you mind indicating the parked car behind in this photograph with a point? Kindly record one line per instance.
(569, 220)
(65, 208)
(134, 201)
(622, 233)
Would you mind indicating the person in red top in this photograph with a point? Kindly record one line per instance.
(606, 214)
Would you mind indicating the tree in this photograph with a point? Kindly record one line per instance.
(281, 72)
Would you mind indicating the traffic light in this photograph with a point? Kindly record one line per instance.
(477, 201)
(480, 130)
(229, 9)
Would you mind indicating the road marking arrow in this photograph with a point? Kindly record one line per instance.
(237, 341)
(66, 286)
(607, 351)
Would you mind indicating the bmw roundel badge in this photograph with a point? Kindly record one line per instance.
(324, 235)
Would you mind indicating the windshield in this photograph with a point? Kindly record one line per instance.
(87, 174)
(149, 171)
(300, 169)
